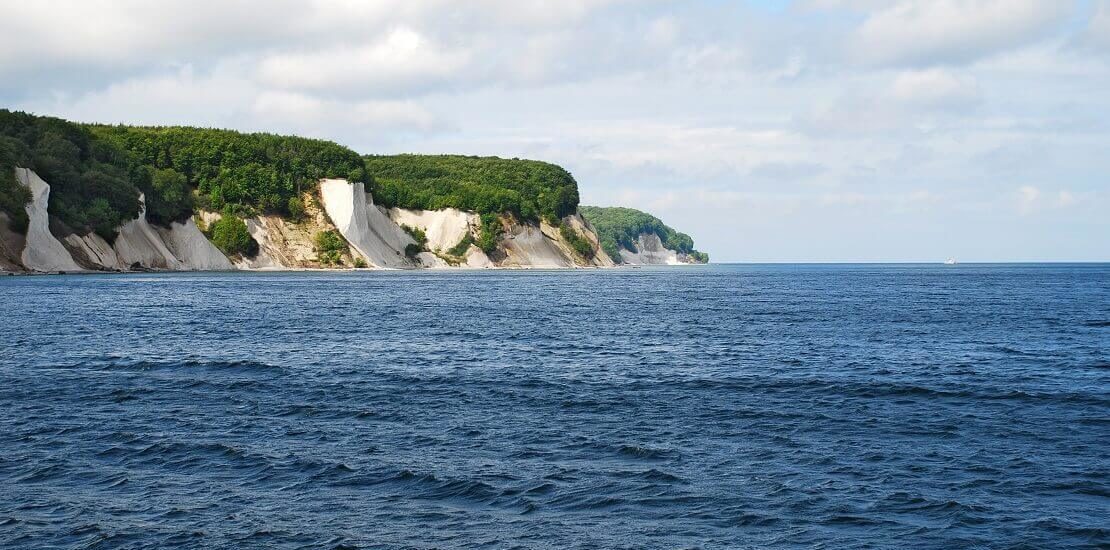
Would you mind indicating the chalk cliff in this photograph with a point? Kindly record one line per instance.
(376, 237)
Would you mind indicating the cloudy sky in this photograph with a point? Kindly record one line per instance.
(819, 130)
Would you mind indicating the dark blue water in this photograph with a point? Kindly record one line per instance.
(735, 406)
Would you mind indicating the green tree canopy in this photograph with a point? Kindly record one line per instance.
(251, 172)
(528, 189)
(91, 186)
(619, 228)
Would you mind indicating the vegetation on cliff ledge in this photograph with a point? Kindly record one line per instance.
(619, 228)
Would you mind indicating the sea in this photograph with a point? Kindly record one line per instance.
(720, 406)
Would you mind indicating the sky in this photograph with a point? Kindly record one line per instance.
(810, 130)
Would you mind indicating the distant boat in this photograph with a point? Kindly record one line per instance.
(950, 261)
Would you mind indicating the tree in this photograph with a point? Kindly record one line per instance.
(230, 234)
(170, 199)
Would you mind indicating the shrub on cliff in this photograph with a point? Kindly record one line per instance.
(459, 250)
(489, 233)
(296, 209)
(230, 234)
(330, 247)
(417, 235)
(580, 244)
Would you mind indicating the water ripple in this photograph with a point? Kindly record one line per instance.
(718, 407)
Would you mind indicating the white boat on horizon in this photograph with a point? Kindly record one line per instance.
(950, 261)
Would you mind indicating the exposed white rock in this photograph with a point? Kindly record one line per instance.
(192, 249)
(180, 247)
(373, 236)
(443, 228)
(526, 245)
(42, 252)
(373, 233)
(139, 245)
(431, 261)
(272, 254)
(650, 251)
(583, 227)
(477, 259)
(96, 250)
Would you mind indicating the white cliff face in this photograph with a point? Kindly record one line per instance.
(373, 233)
(373, 236)
(650, 251)
(274, 250)
(543, 246)
(139, 245)
(42, 252)
(443, 228)
(95, 250)
(529, 246)
(431, 261)
(583, 229)
(192, 249)
(476, 259)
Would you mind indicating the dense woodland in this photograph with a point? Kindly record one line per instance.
(528, 189)
(248, 173)
(96, 172)
(92, 187)
(619, 227)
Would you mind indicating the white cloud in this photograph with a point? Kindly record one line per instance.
(101, 40)
(402, 62)
(1065, 198)
(1032, 199)
(935, 88)
(128, 33)
(317, 116)
(1027, 198)
(224, 97)
(172, 97)
(941, 32)
(1097, 34)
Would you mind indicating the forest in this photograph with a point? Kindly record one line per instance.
(248, 173)
(619, 227)
(96, 172)
(92, 188)
(528, 189)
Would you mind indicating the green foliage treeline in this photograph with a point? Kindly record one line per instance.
(96, 172)
(251, 172)
(529, 189)
(619, 227)
(91, 185)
